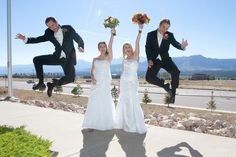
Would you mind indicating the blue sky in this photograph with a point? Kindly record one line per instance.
(208, 25)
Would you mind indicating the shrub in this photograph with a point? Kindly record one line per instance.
(146, 98)
(77, 90)
(166, 100)
(115, 93)
(211, 104)
(16, 142)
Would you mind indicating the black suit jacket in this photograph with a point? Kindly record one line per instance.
(69, 34)
(153, 49)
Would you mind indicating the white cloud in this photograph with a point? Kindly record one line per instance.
(99, 12)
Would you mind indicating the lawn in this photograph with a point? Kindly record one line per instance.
(17, 142)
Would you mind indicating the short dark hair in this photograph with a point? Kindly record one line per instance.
(50, 19)
(165, 21)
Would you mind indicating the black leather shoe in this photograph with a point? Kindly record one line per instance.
(50, 88)
(172, 99)
(167, 89)
(39, 86)
(55, 82)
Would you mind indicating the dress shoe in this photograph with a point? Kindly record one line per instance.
(50, 88)
(39, 86)
(55, 82)
(167, 89)
(172, 99)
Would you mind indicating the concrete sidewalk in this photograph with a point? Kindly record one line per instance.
(64, 129)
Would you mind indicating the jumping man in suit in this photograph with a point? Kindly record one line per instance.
(157, 47)
(62, 38)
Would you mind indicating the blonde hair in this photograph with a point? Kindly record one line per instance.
(127, 43)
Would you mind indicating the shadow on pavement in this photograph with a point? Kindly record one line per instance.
(174, 151)
(131, 143)
(54, 153)
(95, 144)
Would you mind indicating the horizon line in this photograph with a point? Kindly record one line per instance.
(121, 58)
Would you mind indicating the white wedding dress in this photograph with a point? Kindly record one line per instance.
(129, 115)
(100, 108)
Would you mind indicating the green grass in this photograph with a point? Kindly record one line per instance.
(17, 142)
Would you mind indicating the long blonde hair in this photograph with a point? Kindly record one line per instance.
(127, 43)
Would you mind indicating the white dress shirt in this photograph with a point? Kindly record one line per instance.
(59, 37)
(159, 38)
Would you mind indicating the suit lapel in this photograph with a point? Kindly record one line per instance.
(156, 39)
(162, 41)
(64, 32)
(53, 39)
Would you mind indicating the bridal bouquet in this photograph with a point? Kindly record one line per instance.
(140, 18)
(111, 22)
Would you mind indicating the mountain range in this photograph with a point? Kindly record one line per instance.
(196, 63)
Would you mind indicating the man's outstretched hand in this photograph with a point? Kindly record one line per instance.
(184, 44)
(81, 49)
(20, 36)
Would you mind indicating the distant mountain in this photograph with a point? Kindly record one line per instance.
(197, 63)
(81, 65)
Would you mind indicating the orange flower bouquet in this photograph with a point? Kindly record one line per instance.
(140, 18)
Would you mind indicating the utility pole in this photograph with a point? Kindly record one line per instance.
(9, 53)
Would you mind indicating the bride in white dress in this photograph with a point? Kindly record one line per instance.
(129, 115)
(100, 108)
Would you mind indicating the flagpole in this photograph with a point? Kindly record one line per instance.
(9, 50)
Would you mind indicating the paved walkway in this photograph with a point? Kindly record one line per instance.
(64, 129)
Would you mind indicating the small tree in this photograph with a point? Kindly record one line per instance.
(166, 100)
(3, 91)
(146, 98)
(77, 90)
(211, 104)
(58, 89)
(115, 94)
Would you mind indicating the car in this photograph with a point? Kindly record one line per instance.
(30, 81)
